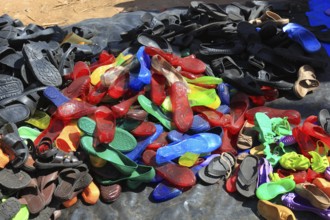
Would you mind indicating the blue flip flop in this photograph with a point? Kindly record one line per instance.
(302, 36)
(199, 143)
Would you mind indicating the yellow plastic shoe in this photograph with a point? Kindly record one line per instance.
(188, 159)
(39, 120)
(98, 72)
(69, 138)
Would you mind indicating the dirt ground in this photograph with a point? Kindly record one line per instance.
(62, 12)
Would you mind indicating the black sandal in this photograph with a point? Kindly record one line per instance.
(50, 157)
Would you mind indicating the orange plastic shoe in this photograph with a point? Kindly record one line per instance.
(69, 138)
(91, 194)
(70, 202)
(323, 185)
(4, 159)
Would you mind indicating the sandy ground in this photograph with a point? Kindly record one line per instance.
(62, 12)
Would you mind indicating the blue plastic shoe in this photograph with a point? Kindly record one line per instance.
(55, 96)
(141, 146)
(176, 136)
(164, 192)
(199, 125)
(199, 143)
(223, 92)
(139, 77)
(302, 36)
(225, 109)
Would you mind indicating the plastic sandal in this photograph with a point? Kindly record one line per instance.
(316, 131)
(246, 136)
(281, 126)
(247, 176)
(239, 104)
(105, 125)
(157, 87)
(74, 109)
(15, 84)
(297, 203)
(270, 210)
(268, 191)
(199, 125)
(306, 81)
(159, 142)
(188, 159)
(293, 115)
(164, 192)
(294, 161)
(319, 163)
(145, 129)
(263, 125)
(198, 143)
(265, 168)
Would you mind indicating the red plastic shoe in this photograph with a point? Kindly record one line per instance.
(80, 69)
(74, 109)
(293, 115)
(239, 104)
(299, 176)
(231, 181)
(316, 131)
(105, 125)
(188, 64)
(305, 143)
(80, 87)
(119, 87)
(157, 93)
(145, 129)
(182, 112)
(97, 94)
(104, 59)
(159, 142)
(312, 175)
(121, 109)
(211, 115)
(270, 93)
(226, 145)
(258, 100)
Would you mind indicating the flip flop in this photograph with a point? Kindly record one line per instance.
(247, 176)
(270, 190)
(198, 143)
(152, 109)
(39, 120)
(306, 81)
(68, 139)
(123, 141)
(14, 180)
(125, 165)
(302, 36)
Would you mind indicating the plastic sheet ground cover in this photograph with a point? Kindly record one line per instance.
(201, 202)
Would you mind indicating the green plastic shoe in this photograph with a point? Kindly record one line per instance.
(275, 177)
(319, 163)
(123, 164)
(153, 109)
(294, 161)
(263, 125)
(28, 133)
(123, 141)
(270, 190)
(281, 126)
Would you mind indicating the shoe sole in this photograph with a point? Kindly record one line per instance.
(10, 86)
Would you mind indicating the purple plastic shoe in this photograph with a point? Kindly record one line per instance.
(265, 168)
(297, 203)
(327, 173)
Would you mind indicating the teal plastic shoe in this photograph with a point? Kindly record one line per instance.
(263, 125)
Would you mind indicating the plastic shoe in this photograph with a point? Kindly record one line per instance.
(319, 163)
(188, 159)
(264, 168)
(273, 211)
(305, 143)
(198, 143)
(302, 36)
(28, 133)
(268, 191)
(294, 161)
(298, 176)
(323, 185)
(246, 136)
(39, 120)
(293, 115)
(205, 80)
(313, 194)
(295, 202)
(68, 140)
(182, 112)
(263, 125)
(224, 94)
(105, 125)
(140, 76)
(199, 125)
(239, 104)
(188, 64)
(281, 126)
(91, 194)
(74, 109)
(316, 131)
(55, 96)
(157, 89)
